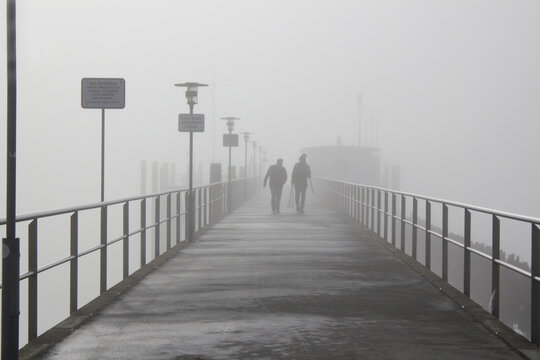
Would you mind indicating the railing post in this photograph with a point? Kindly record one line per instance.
(535, 284)
(157, 225)
(205, 202)
(103, 251)
(143, 232)
(495, 267)
(403, 203)
(445, 243)
(211, 203)
(378, 213)
(414, 229)
(352, 201)
(467, 254)
(372, 203)
(393, 219)
(357, 203)
(186, 209)
(125, 241)
(178, 218)
(32, 280)
(74, 263)
(169, 221)
(199, 202)
(428, 235)
(385, 232)
(362, 206)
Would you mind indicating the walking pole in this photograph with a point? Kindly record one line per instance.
(291, 195)
(311, 186)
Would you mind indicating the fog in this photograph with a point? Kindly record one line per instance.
(450, 91)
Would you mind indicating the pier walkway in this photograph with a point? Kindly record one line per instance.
(286, 286)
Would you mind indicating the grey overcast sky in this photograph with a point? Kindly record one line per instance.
(450, 90)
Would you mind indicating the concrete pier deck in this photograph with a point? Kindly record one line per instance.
(285, 286)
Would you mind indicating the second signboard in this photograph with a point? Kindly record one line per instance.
(191, 123)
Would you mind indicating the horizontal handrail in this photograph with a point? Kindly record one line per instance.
(485, 210)
(43, 214)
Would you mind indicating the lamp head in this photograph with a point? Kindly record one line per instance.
(191, 91)
(230, 122)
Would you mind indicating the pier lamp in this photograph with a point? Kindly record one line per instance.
(192, 99)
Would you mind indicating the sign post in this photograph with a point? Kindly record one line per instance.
(103, 93)
(230, 140)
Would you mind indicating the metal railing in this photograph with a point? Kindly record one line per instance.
(376, 209)
(210, 207)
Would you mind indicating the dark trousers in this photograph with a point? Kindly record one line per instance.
(275, 192)
(300, 196)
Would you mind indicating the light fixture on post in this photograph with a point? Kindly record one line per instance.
(230, 140)
(191, 123)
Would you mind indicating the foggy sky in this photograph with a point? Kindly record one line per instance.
(450, 90)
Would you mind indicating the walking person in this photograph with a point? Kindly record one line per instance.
(299, 178)
(278, 177)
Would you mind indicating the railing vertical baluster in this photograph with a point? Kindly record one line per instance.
(378, 213)
(125, 241)
(157, 225)
(415, 229)
(103, 251)
(428, 235)
(143, 232)
(362, 208)
(178, 218)
(351, 201)
(205, 209)
(169, 221)
(186, 209)
(199, 202)
(467, 254)
(357, 203)
(32, 280)
(535, 285)
(445, 243)
(495, 267)
(385, 215)
(372, 204)
(74, 263)
(212, 203)
(393, 219)
(403, 203)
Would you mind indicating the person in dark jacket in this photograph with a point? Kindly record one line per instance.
(299, 178)
(278, 177)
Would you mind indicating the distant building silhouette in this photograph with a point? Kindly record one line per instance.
(357, 164)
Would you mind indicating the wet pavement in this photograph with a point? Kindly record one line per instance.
(284, 286)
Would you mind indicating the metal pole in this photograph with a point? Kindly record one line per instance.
(102, 155)
(246, 170)
(229, 200)
(535, 284)
(495, 267)
(191, 209)
(10, 244)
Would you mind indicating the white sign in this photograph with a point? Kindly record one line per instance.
(97, 93)
(191, 122)
(230, 139)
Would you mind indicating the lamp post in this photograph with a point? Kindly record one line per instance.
(254, 144)
(230, 143)
(192, 99)
(246, 140)
(11, 244)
